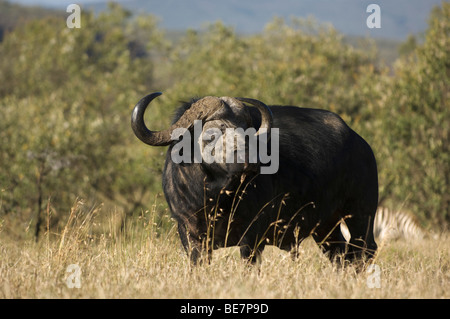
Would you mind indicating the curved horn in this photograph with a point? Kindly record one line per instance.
(155, 138)
(197, 111)
(266, 114)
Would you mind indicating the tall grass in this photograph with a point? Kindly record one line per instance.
(146, 261)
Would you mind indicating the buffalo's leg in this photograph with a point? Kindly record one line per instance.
(362, 207)
(362, 242)
(252, 255)
(331, 241)
(295, 252)
(195, 247)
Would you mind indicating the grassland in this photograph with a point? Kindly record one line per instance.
(146, 261)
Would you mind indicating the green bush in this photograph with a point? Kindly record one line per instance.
(65, 104)
(417, 124)
(67, 95)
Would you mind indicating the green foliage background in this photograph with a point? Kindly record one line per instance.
(66, 97)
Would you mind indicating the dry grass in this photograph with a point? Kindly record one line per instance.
(148, 262)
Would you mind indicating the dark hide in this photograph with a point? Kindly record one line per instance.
(326, 173)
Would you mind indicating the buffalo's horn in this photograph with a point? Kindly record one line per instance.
(155, 138)
(198, 111)
(266, 114)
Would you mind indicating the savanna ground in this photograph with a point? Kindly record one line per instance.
(146, 261)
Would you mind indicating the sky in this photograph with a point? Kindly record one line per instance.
(56, 2)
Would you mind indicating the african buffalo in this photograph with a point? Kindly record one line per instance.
(326, 173)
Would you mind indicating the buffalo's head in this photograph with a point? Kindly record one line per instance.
(214, 117)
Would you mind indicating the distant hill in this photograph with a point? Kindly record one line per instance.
(399, 18)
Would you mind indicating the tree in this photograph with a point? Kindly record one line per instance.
(65, 108)
(418, 123)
